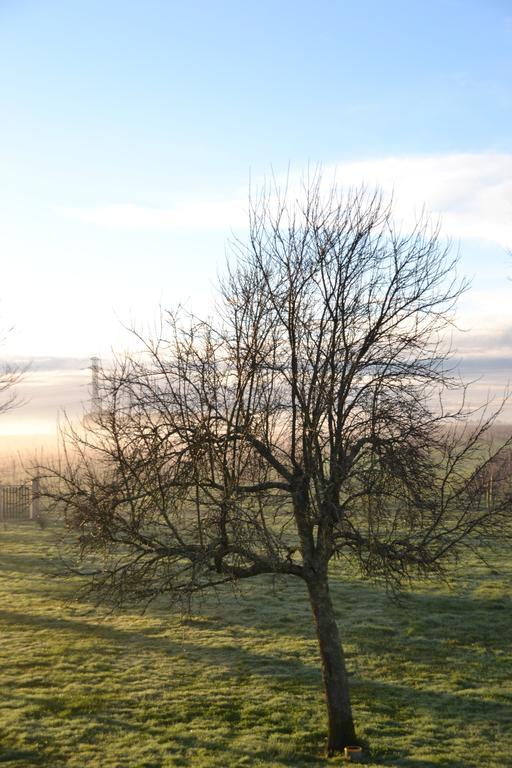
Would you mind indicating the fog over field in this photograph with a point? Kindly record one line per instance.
(54, 388)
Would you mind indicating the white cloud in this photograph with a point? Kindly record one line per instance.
(209, 215)
(471, 192)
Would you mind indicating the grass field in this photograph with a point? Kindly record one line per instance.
(239, 684)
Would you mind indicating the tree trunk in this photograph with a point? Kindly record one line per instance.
(339, 712)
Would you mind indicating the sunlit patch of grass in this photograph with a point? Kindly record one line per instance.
(239, 684)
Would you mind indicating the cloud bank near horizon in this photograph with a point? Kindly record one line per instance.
(471, 192)
(55, 386)
(49, 363)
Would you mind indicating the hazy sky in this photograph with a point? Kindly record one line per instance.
(129, 132)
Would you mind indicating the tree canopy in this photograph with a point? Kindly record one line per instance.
(304, 422)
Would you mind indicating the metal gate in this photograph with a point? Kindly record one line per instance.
(15, 502)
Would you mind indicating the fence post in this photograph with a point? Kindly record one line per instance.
(35, 508)
(2, 516)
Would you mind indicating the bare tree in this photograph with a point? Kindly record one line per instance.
(10, 375)
(303, 424)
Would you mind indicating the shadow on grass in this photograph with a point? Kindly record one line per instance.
(288, 752)
(396, 701)
(391, 702)
(23, 564)
(420, 631)
(44, 756)
(228, 655)
(16, 755)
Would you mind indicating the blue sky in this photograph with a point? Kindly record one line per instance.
(129, 132)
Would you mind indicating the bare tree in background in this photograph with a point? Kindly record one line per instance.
(10, 375)
(302, 425)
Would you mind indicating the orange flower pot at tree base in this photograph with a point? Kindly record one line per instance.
(355, 754)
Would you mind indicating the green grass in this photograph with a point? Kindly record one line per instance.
(239, 684)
